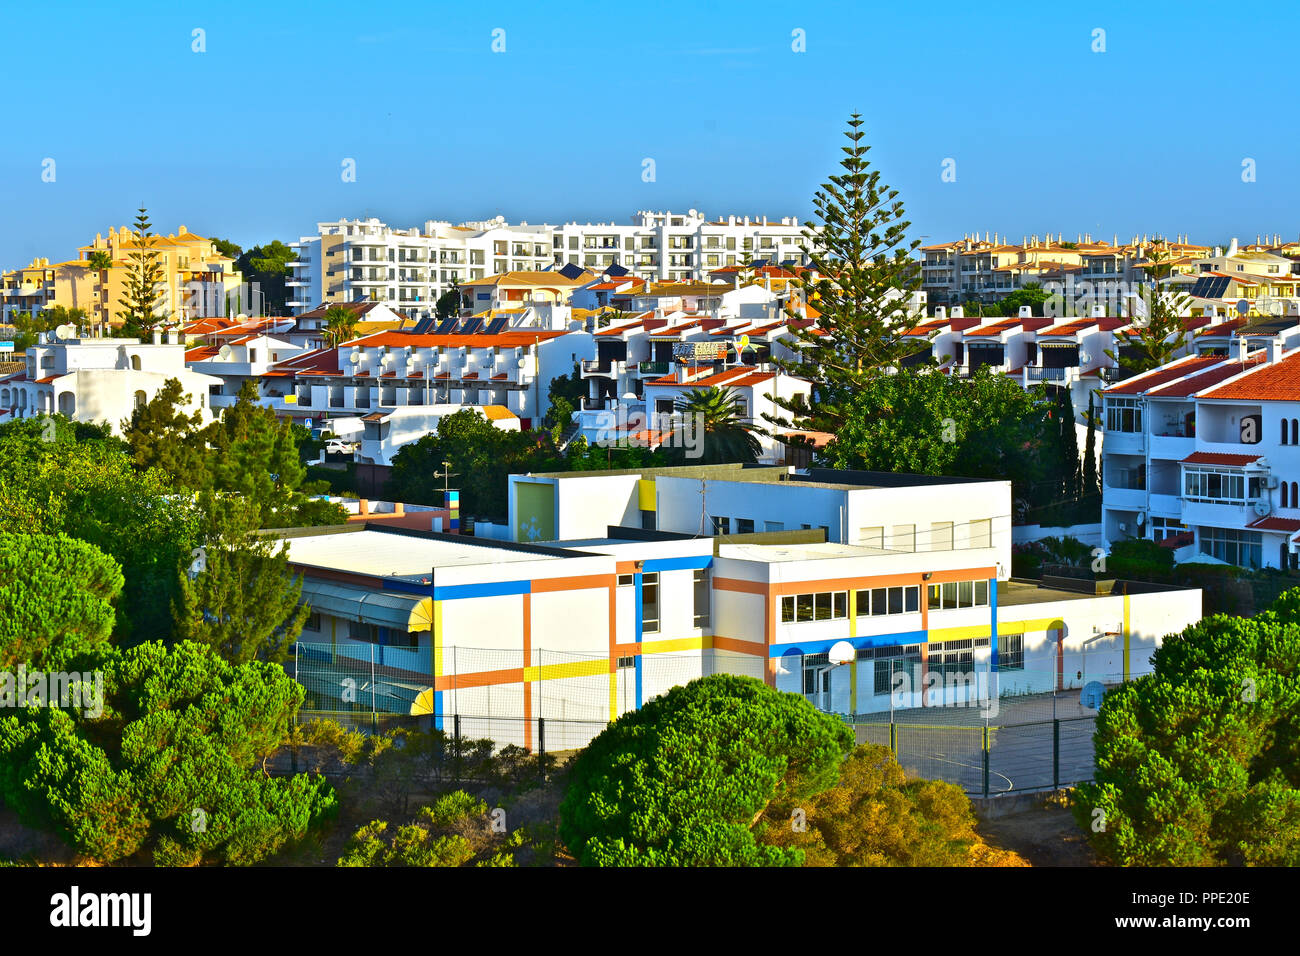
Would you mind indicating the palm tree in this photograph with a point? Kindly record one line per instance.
(715, 415)
(340, 325)
(100, 261)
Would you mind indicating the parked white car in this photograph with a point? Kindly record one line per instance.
(337, 446)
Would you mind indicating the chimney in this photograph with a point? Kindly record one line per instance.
(1232, 247)
(1241, 349)
(157, 337)
(363, 507)
(681, 372)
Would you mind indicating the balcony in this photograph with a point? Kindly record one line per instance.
(654, 368)
(1039, 373)
(603, 367)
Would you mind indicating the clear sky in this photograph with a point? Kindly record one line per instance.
(247, 140)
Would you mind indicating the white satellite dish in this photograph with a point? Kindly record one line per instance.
(522, 362)
(841, 652)
(64, 332)
(224, 352)
(354, 357)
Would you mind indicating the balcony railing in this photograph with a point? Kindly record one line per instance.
(597, 366)
(654, 368)
(1039, 373)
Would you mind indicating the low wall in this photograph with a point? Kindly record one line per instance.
(1087, 533)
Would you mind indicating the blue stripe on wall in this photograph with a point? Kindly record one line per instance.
(450, 592)
(873, 640)
(638, 682)
(993, 623)
(691, 562)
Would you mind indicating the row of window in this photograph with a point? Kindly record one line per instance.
(874, 602)
(650, 606)
(1212, 484)
(834, 605)
(947, 658)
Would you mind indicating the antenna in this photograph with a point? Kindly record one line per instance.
(354, 357)
(224, 352)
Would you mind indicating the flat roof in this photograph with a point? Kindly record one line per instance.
(779, 553)
(1014, 593)
(384, 554)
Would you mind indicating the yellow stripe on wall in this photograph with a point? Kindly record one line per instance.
(613, 693)
(570, 669)
(677, 644)
(437, 638)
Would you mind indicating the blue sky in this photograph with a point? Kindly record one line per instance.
(246, 140)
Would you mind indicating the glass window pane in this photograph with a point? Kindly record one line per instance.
(950, 594)
(863, 602)
(841, 604)
(981, 593)
(965, 593)
(912, 597)
(933, 597)
(878, 601)
(804, 607)
(787, 609)
(896, 600)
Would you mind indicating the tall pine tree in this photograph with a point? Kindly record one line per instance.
(863, 273)
(239, 596)
(143, 303)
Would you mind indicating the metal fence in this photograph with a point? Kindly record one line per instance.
(1016, 743)
(1008, 731)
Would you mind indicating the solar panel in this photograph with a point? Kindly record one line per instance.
(497, 324)
(472, 324)
(425, 325)
(447, 325)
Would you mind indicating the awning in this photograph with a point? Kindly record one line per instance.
(408, 612)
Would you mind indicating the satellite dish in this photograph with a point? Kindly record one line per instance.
(841, 652)
(522, 362)
(1262, 507)
(224, 352)
(64, 332)
(354, 357)
(1243, 306)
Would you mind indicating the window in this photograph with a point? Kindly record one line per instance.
(903, 670)
(1242, 548)
(941, 536)
(626, 580)
(822, 606)
(896, 600)
(700, 581)
(773, 525)
(313, 622)
(787, 609)
(625, 662)
(744, 526)
(1123, 415)
(1011, 652)
(361, 631)
(803, 607)
(1217, 485)
(958, 594)
(650, 603)
(721, 525)
(981, 533)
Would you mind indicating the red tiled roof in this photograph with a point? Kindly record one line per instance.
(1182, 388)
(1215, 458)
(739, 377)
(1274, 523)
(510, 339)
(1163, 375)
(1274, 382)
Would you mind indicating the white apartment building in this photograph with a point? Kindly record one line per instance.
(1201, 455)
(100, 380)
(355, 260)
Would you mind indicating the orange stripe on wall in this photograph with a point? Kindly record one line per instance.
(741, 647)
(542, 585)
(739, 584)
(511, 675)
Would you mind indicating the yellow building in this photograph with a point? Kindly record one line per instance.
(196, 279)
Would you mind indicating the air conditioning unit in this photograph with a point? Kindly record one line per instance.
(1123, 526)
(1271, 482)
